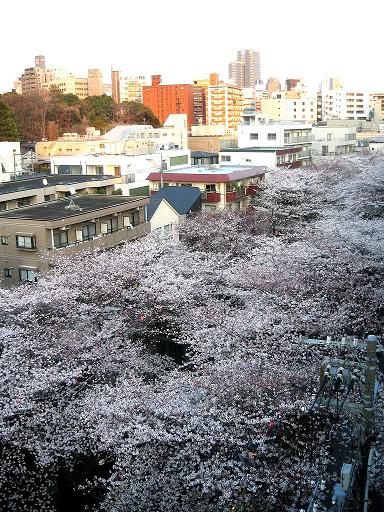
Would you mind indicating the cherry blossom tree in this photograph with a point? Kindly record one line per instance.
(171, 375)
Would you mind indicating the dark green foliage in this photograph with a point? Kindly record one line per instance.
(8, 127)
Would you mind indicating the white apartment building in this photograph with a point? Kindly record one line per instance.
(132, 170)
(333, 140)
(346, 104)
(290, 106)
(69, 84)
(271, 144)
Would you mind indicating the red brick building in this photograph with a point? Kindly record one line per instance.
(169, 99)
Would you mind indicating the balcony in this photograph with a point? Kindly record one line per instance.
(210, 197)
(298, 140)
(101, 242)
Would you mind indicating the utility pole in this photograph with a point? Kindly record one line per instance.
(338, 378)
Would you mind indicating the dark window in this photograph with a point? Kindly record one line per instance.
(271, 136)
(7, 272)
(112, 225)
(60, 239)
(4, 240)
(210, 187)
(28, 275)
(24, 201)
(3, 206)
(25, 242)
(89, 231)
(254, 136)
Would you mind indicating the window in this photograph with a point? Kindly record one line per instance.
(7, 272)
(254, 136)
(210, 187)
(60, 239)
(89, 231)
(271, 136)
(329, 136)
(130, 178)
(24, 201)
(225, 158)
(4, 240)
(25, 242)
(3, 206)
(111, 225)
(27, 275)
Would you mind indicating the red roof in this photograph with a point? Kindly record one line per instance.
(207, 177)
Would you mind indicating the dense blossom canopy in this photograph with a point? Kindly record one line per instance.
(171, 374)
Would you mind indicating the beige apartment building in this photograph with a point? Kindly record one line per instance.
(224, 105)
(33, 238)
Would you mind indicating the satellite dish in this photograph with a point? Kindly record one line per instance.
(45, 182)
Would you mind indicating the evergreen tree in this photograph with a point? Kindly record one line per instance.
(8, 127)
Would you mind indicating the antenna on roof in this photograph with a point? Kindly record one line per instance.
(71, 205)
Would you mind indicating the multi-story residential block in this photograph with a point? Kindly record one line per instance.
(333, 140)
(41, 77)
(29, 191)
(245, 71)
(345, 104)
(211, 138)
(132, 170)
(32, 238)
(69, 84)
(164, 100)
(224, 105)
(271, 144)
(290, 106)
(127, 88)
(230, 187)
(378, 105)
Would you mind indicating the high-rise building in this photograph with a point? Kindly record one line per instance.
(245, 71)
(95, 82)
(127, 88)
(236, 73)
(224, 105)
(164, 100)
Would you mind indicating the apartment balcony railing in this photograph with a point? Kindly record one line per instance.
(298, 140)
(103, 241)
(210, 197)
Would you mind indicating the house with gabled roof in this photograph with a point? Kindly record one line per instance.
(169, 205)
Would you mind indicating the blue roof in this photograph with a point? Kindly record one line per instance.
(182, 199)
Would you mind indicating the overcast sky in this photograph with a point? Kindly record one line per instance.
(186, 40)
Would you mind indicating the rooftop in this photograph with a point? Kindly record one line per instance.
(56, 179)
(209, 174)
(55, 210)
(182, 199)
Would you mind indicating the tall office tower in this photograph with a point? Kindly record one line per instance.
(95, 82)
(236, 73)
(252, 70)
(245, 71)
(39, 61)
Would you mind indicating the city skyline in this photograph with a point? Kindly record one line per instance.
(292, 41)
